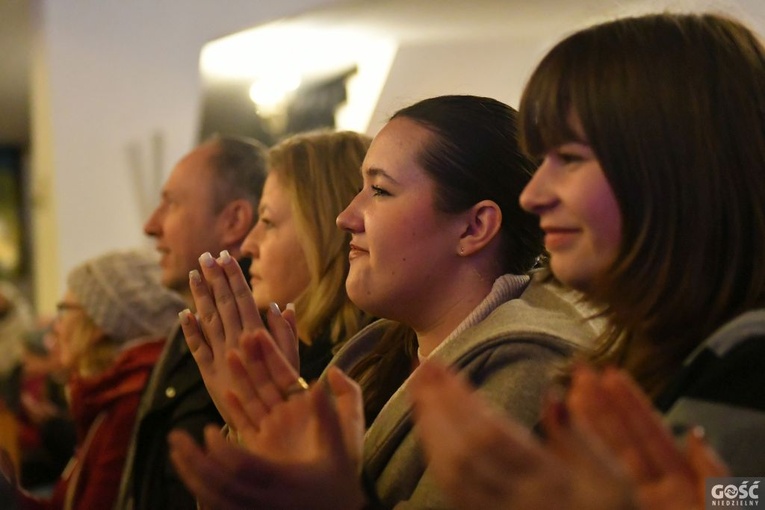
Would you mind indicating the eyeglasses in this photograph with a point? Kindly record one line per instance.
(63, 306)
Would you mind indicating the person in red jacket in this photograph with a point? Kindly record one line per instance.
(110, 329)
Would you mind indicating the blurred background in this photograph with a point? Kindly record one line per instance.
(98, 99)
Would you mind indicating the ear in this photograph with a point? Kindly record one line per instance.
(484, 221)
(235, 220)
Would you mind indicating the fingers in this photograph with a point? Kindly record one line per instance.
(291, 318)
(466, 441)
(350, 409)
(332, 433)
(253, 359)
(280, 373)
(197, 470)
(703, 459)
(209, 324)
(593, 408)
(283, 332)
(222, 477)
(199, 348)
(555, 417)
(242, 294)
(246, 409)
(646, 431)
(219, 313)
(260, 375)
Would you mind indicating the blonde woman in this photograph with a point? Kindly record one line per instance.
(299, 256)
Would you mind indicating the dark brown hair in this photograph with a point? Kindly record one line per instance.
(674, 108)
(473, 155)
(239, 166)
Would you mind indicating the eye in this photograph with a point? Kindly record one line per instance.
(569, 157)
(572, 153)
(267, 223)
(377, 191)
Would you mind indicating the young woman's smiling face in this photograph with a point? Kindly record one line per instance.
(401, 245)
(577, 211)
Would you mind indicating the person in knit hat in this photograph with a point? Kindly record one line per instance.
(110, 329)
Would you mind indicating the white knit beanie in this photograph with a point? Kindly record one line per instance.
(122, 294)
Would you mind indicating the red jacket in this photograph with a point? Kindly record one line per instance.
(104, 409)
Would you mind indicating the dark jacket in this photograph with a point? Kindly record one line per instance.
(176, 398)
(721, 387)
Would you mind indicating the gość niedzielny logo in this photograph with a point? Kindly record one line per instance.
(733, 492)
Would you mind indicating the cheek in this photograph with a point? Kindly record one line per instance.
(606, 220)
(274, 258)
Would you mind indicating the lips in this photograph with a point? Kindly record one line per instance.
(558, 238)
(163, 253)
(356, 251)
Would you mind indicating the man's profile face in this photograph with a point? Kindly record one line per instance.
(184, 224)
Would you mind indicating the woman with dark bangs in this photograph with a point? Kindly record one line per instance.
(651, 193)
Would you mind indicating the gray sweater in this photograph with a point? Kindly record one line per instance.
(508, 348)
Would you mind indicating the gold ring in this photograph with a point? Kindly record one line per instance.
(298, 386)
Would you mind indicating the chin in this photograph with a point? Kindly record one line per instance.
(364, 300)
(570, 276)
(178, 284)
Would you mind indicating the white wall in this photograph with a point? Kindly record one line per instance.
(111, 80)
(495, 68)
(499, 67)
(114, 79)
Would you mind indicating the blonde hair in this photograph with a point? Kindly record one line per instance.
(93, 357)
(321, 172)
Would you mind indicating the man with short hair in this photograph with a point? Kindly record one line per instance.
(209, 204)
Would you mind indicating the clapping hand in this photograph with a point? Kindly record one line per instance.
(226, 310)
(606, 448)
(306, 453)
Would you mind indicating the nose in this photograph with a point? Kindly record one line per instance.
(250, 244)
(350, 218)
(537, 196)
(152, 226)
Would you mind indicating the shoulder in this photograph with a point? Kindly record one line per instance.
(720, 388)
(728, 367)
(544, 317)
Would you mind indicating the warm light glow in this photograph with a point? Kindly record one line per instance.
(277, 57)
(270, 92)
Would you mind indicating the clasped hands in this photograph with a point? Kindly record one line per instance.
(290, 444)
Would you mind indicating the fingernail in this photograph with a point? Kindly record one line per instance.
(194, 277)
(560, 411)
(699, 432)
(291, 306)
(185, 316)
(275, 309)
(207, 260)
(225, 257)
(555, 401)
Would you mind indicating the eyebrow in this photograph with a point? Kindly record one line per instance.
(379, 172)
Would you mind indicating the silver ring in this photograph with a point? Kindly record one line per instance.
(298, 386)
